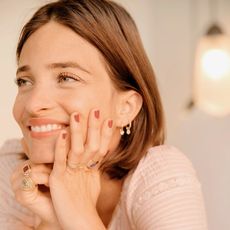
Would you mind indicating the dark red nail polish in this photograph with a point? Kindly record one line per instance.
(77, 118)
(97, 114)
(110, 123)
(64, 135)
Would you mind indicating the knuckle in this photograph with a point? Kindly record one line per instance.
(107, 133)
(77, 151)
(93, 148)
(102, 153)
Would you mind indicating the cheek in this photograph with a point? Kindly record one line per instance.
(17, 109)
(75, 102)
(83, 104)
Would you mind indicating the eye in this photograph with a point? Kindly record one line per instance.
(67, 77)
(22, 82)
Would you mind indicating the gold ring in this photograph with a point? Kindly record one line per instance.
(72, 165)
(27, 183)
(26, 170)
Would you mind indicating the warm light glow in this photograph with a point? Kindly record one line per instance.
(216, 63)
(212, 75)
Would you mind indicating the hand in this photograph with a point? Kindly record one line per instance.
(39, 202)
(74, 185)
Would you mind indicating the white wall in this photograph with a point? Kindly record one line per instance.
(13, 14)
(169, 29)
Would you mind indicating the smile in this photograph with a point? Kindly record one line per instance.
(46, 128)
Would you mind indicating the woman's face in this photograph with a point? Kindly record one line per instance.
(59, 73)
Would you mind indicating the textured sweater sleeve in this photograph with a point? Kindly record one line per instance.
(12, 215)
(166, 194)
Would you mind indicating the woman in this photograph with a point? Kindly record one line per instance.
(93, 130)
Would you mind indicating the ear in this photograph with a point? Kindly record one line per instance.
(128, 108)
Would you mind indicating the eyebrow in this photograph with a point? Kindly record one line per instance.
(57, 65)
(22, 69)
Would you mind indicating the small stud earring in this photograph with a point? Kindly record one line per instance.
(128, 127)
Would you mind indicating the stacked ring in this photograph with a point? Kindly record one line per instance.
(72, 165)
(27, 183)
(90, 165)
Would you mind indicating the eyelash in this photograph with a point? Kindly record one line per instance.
(61, 78)
(20, 82)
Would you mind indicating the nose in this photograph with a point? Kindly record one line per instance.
(39, 100)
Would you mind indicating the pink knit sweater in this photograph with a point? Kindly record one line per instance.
(162, 193)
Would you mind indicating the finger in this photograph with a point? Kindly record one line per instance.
(39, 178)
(38, 173)
(106, 135)
(35, 168)
(93, 139)
(60, 155)
(76, 152)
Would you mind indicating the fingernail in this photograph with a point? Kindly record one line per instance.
(97, 114)
(110, 123)
(64, 135)
(77, 118)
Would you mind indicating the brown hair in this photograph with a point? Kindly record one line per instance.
(110, 28)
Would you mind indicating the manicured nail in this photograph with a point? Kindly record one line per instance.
(97, 114)
(77, 118)
(110, 123)
(64, 135)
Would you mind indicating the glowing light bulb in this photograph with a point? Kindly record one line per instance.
(215, 63)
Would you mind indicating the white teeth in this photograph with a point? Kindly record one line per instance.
(45, 128)
(49, 127)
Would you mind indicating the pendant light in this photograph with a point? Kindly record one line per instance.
(212, 73)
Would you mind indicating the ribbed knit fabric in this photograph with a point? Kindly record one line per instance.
(162, 193)
(12, 215)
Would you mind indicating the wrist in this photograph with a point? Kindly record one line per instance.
(92, 221)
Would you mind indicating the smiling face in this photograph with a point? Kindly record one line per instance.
(59, 73)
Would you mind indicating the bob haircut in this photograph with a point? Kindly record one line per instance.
(110, 28)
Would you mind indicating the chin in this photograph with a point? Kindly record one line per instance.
(41, 151)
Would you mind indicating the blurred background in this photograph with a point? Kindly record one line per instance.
(171, 31)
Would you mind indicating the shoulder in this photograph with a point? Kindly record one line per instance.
(10, 155)
(162, 168)
(9, 158)
(164, 190)
(12, 146)
(12, 214)
(162, 161)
